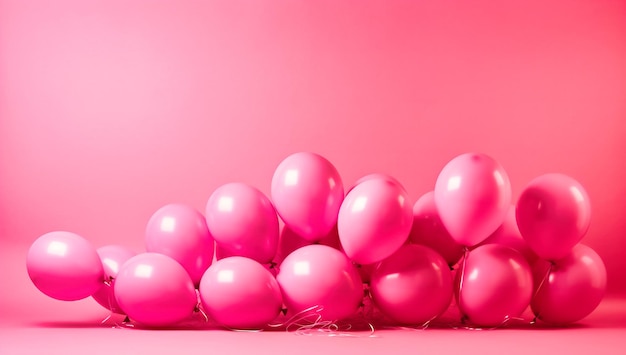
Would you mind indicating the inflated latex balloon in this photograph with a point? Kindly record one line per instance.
(429, 231)
(64, 266)
(155, 290)
(320, 279)
(573, 288)
(495, 284)
(307, 192)
(374, 220)
(243, 222)
(180, 232)
(473, 195)
(553, 214)
(413, 286)
(240, 293)
(112, 257)
(508, 235)
(290, 241)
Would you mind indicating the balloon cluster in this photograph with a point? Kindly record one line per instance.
(463, 240)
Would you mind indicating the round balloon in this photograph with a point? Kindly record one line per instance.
(180, 232)
(473, 195)
(508, 235)
(307, 192)
(553, 214)
(155, 290)
(243, 222)
(321, 279)
(573, 288)
(112, 257)
(240, 293)
(494, 284)
(374, 220)
(64, 266)
(413, 286)
(429, 231)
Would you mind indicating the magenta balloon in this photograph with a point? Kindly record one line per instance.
(508, 235)
(240, 293)
(112, 257)
(553, 214)
(374, 220)
(323, 277)
(290, 241)
(155, 290)
(243, 222)
(574, 288)
(64, 266)
(180, 232)
(413, 286)
(307, 192)
(429, 231)
(473, 195)
(496, 284)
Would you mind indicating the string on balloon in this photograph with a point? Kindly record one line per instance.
(464, 317)
(309, 321)
(543, 281)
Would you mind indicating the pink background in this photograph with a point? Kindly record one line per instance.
(111, 109)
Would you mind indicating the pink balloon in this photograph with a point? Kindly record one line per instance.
(240, 293)
(494, 285)
(180, 232)
(508, 235)
(374, 220)
(553, 214)
(112, 257)
(307, 192)
(323, 277)
(243, 222)
(64, 266)
(413, 286)
(289, 241)
(473, 195)
(155, 290)
(574, 288)
(429, 231)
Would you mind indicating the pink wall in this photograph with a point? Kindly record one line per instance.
(110, 109)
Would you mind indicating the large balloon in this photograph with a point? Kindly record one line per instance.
(307, 192)
(374, 220)
(240, 293)
(495, 284)
(112, 257)
(180, 232)
(508, 235)
(321, 279)
(413, 286)
(553, 214)
(243, 222)
(64, 266)
(429, 231)
(473, 195)
(573, 288)
(155, 290)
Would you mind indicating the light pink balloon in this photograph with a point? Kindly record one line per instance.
(180, 232)
(240, 293)
(508, 235)
(307, 192)
(64, 266)
(322, 277)
(473, 195)
(413, 286)
(573, 289)
(290, 241)
(494, 285)
(553, 214)
(243, 222)
(155, 290)
(429, 231)
(374, 220)
(112, 257)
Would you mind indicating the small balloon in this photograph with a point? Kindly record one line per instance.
(307, 192)
(508, 235)
(155, 290)
(64, 266)
(240, 293)
(473, 195)
(553, 214)
(112, 257)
